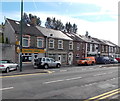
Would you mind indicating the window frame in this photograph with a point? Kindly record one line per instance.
(42, 40)
(70, 45)
(60, 42)
(51, 43)
(26, 38)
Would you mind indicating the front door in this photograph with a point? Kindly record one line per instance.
(70, 58)
(59, 58)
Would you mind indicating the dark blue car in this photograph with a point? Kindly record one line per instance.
(102, 60)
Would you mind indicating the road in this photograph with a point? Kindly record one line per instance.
(78, 82)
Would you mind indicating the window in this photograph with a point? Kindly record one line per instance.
(40, 42)
(93, 47)
(102, 48)
(70, 45)
(25, 42)
(77, 56)
(60, 44)
(88, 47)
(78, 46)
(51, 43)
(48, 60)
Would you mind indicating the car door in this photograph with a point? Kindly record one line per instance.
(10, 64)
(48, 61)
(53, 63)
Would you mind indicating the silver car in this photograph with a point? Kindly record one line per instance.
(46, 63)
(7, 65)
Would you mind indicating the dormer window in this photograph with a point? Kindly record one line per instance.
(17, 22)
(28, 24)
(51, 34)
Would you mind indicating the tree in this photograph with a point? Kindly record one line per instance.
(48, 22)
(74, 28)
(32, 20)
(54, 24)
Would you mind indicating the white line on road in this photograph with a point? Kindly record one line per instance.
(7, 88)
(103, 74)
(62, 80)
(63, 70)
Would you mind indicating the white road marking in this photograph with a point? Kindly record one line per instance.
(83, 69)
(103, 74)
(74, 78)
(62, 80)
(63, 70)
(7, 88)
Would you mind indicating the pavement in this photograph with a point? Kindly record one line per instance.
(29, 69)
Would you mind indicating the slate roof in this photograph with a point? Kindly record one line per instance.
(89, 39)
(75, 37)
(53, 33)
(98, 40)
(27, 29)
(107, 42)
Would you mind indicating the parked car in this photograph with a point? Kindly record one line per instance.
(113, 60)
(87, 61)
(7, 65)
(118, 59)
(102, 60)
(46, 63)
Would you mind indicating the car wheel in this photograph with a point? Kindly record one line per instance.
(92, 63)
(86, 63)
(58, 65)
(46, 66)
(7, 69)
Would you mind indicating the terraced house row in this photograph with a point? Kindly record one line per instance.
(40, 42)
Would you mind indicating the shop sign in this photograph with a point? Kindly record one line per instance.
(31, 51)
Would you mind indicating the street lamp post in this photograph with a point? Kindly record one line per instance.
(21, 31)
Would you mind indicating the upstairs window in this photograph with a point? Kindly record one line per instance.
(51, 43)
(26, 41)
(70, 45)
(88, 46)
(60, 44)
(40, 42)
(78, 46)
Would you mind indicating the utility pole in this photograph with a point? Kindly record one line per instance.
(21, 32)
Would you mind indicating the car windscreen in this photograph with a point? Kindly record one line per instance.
(3, 61)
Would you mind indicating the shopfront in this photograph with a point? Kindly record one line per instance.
(28, 55)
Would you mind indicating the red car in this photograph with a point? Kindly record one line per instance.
(118, 59)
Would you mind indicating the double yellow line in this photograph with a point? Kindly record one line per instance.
(104, 95)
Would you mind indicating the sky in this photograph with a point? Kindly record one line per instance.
(98, 17)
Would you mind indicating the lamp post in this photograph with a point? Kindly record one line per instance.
(21, 32)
